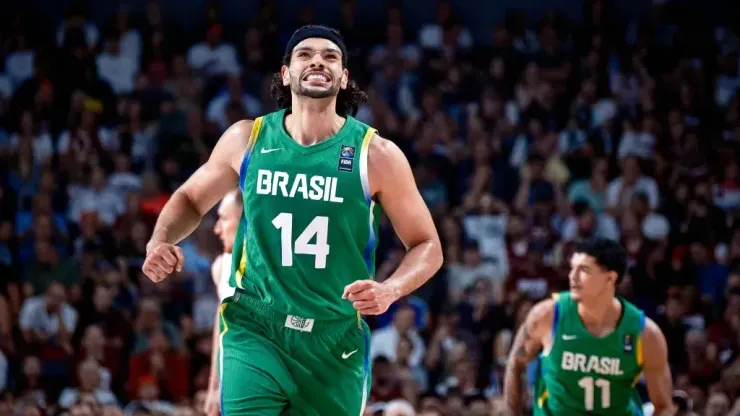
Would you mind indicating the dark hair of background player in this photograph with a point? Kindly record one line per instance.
(609, 255)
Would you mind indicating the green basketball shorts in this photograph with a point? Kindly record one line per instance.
(273, 364)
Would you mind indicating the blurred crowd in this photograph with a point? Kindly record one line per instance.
(547, 133)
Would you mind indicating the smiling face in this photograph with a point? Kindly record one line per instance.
(316, 69)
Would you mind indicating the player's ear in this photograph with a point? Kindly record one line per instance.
(345, 79)
(613, 277)
(285, 75)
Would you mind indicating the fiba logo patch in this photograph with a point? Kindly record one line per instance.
(346, 158)
(298, 322)
(628, 343)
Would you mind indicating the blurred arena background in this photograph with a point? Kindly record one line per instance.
(529, 124)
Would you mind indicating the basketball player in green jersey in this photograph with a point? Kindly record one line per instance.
(313, 179)
(593, 345)
(229, 215)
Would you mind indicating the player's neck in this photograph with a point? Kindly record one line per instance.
(599, 312)
(313, 120)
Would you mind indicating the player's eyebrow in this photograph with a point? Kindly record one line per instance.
(309, 49)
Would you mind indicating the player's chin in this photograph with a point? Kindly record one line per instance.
(317, 91)
(575, 294)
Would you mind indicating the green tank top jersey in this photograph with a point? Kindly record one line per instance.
(310, 224)
(585, 375)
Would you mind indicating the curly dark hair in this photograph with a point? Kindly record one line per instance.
(348, 100)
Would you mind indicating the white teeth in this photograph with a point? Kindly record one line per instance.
(317, 77)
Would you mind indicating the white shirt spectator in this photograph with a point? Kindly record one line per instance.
(644, 184)
(118, 70)
(43, 147)
(220, 60)
(490, 233)
(102, 396)
(385, 342)
(639, 144)
(19, 66)
(216, 112)
(431, 35)
(106, 202)
(131, 45)
(35, 317)
(124, 182)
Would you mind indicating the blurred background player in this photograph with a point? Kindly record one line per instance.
(229, 212)
(593, 345)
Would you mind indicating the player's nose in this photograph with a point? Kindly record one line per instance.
(317, 61)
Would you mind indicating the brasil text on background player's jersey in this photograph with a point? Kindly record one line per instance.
(310, 225)
(585, 375)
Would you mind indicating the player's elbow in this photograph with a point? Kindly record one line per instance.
(436, 254)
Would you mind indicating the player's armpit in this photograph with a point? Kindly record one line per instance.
(208, 185)
(220, 174)
(656, 370)
(392, 184)
(530, 336)
(528, 342)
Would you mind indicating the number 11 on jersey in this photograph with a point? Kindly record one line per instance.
(318, 227)
(587, 384)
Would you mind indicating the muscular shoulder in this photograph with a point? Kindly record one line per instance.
(531, 336)
(655, 348)
(540, 318)
(386, 162)
(233, 143)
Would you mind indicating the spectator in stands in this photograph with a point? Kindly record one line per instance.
(47, 321)
(385, 341)
(162, 365)
(213, 57)
(88, 373)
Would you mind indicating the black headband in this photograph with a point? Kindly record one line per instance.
(316, 31)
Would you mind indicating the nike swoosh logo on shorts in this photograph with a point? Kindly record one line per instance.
(347, 355)
(263, 150)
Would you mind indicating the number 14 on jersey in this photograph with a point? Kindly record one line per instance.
(318, 227)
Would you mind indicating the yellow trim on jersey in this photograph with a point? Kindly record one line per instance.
(640, 360)
(555, 296)
(541, 399)
(256, 128)
(221, 310)
(242, 265)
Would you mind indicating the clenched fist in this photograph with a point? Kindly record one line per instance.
(370, 297)
(162, 260)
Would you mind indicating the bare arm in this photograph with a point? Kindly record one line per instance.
(393, 185)
(213, 380)
(208, 185)
(528, 342)
(656, 369)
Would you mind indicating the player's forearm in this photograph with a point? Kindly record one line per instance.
(213, 380)
(513, 389)
(419, 264)
(178, 219)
